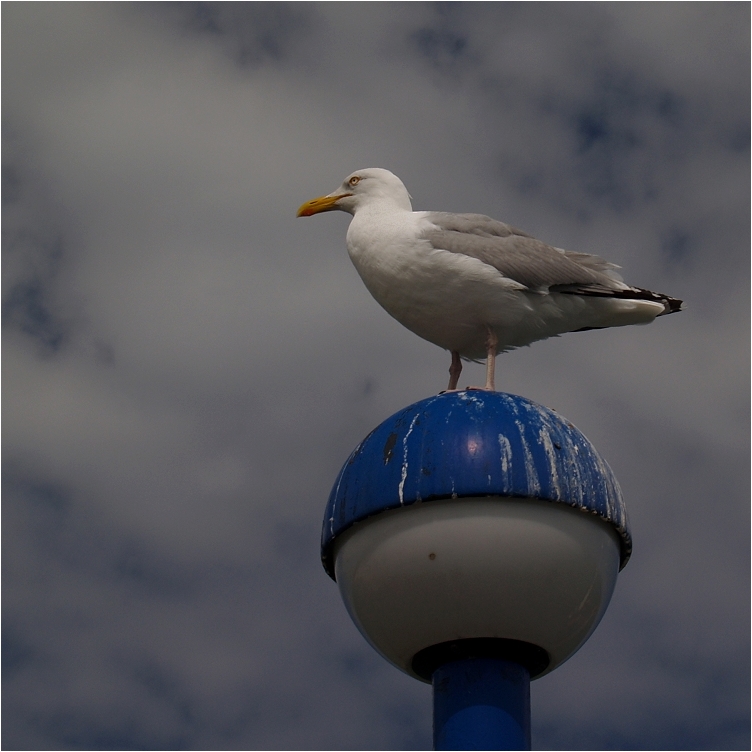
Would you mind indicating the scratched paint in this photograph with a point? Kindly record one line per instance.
(544, 436)
(533, 485)
(403, 477)
(505, 458)
(473, 443)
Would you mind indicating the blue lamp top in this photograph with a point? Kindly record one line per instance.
(472, 443)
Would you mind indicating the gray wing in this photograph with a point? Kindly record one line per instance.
(521, 257)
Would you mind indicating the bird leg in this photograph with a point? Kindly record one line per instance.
(454, 372)
(491, 344)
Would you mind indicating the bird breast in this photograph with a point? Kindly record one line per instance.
(444, 297)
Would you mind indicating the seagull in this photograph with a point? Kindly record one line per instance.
(471, 284)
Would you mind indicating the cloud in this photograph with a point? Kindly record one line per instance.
(187, 366)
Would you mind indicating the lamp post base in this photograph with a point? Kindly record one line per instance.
(481, 703)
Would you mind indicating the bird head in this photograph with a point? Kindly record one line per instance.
(362, 187)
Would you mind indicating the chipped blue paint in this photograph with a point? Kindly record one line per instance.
(472, 443)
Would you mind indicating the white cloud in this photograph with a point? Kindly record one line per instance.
(187, 365)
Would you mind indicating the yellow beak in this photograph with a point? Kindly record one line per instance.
(321, 204)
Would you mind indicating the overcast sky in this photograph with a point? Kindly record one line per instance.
(186, 366)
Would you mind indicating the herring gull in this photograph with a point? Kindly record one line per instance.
(471, 284)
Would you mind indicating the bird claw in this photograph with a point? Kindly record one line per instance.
(468, 389)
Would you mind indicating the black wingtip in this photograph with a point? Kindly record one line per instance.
(673, 305)
(670, 305)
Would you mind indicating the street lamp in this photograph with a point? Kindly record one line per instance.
(476, 538)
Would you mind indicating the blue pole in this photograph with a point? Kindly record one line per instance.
(481, 703)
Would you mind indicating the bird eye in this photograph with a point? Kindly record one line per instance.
(353, 181)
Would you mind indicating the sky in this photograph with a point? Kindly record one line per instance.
(186, 365)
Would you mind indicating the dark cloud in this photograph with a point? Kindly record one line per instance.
(250, 34)
(677, 245)
(33, 255)
(186, 366)
(27, 306)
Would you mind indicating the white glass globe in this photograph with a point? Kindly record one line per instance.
(536, 571)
